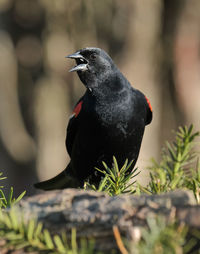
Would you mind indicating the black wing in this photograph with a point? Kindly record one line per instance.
(149, 112)
(145, 102)
(73, 126)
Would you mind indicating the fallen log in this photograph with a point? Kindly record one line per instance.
(94, 215)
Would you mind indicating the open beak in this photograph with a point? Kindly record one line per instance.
(82, 63)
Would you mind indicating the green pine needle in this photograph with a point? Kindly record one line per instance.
(31, 235)
(116, 180)
(177, 167)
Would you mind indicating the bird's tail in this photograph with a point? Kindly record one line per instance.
(61, 181)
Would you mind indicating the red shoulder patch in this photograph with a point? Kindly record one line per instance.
(150, 107)
(77, 109)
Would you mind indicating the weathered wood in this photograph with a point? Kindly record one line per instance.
(94, 214)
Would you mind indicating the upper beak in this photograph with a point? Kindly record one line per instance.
(75, 55)
(82, 66)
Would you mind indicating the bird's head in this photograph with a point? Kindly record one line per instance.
(93, 65)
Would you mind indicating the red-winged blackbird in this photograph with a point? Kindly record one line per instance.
(109, 120)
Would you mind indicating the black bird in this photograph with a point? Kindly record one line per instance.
(108, 120)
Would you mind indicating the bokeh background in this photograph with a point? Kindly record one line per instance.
(156, 44)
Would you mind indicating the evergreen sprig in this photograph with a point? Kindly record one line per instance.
(10, 200)
(177, 168)
(161, 237)
(32, 236)
(116, 180)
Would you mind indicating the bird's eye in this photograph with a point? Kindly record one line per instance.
(93, 56)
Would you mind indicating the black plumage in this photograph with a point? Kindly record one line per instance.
(108, 120)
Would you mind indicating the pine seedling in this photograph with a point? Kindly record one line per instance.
(176, 168)
(161, 238)
(117, 180)
(10, 200)
(31, 236)
(192, 181)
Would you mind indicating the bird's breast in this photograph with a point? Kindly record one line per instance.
(113, 119)
(116, 115)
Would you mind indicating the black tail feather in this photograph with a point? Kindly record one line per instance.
(61, 181)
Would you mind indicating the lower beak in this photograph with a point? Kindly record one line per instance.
(79, 67)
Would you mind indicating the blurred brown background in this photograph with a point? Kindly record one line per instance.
(156, 44)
